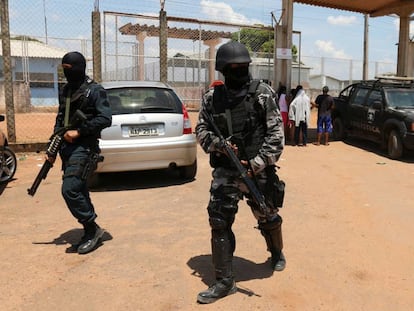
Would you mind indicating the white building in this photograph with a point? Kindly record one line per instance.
(35, 65)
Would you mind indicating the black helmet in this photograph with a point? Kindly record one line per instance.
(231, 52)
(325, 89)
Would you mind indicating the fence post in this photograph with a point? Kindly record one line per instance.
(96, 46)
(8, 82)
(163, 47)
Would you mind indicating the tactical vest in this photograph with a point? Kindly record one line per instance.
(80, 99)
(244, 122)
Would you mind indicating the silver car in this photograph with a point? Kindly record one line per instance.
(150, 130)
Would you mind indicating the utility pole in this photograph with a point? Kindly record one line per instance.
(96, 43)
(365, 65)
(8, 82)
(283, 47)
(44, 13)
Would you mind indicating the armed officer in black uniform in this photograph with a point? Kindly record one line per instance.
(245, 110)
(80, 150)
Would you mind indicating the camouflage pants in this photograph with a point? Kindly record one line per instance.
(227, 189)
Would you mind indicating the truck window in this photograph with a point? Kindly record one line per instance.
(347, 92)
(375, 95)
(359, 98)
(400, 97)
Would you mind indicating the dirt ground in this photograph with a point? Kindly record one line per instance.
(348, 235)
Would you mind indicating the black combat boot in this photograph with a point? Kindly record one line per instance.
(272, 232)
(222, 245)
(218, 290)
(278, 261)
(91, 239)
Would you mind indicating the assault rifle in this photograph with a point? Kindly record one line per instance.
(56, 141)
(257, 196)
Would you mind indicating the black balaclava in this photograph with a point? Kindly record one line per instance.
(235, 78)
(74, 66)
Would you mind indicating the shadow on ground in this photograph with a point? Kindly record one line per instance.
(73, 237)
(408, 157)
(243, 269)
(4, 185)
(136, 180)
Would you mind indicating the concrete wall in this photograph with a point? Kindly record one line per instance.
(21, 97)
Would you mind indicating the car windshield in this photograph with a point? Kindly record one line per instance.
(143, 100)
(400, 98)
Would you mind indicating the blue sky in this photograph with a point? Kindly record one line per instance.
(324, 32)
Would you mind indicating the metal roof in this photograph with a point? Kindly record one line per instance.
(372, 7)
(33, 49)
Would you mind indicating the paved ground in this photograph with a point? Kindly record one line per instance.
(348, 231)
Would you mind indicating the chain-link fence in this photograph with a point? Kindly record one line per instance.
(131, 50)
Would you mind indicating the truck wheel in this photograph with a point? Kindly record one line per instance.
(395, 146)
(338, 129)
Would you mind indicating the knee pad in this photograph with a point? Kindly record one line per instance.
(221, 230)
(218, 223)
(271, 225)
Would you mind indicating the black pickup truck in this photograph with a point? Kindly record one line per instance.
(380, 110)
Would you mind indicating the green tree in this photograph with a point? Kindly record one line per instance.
(294, 53)
(259, 40)
(254, 39)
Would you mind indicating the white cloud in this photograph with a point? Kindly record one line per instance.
(220, 11)
(328, 49)
(342, 20)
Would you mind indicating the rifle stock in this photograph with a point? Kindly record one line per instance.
(40, 176)
(56, 141)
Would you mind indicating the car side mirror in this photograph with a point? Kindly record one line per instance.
(377, 105)
(1, 118)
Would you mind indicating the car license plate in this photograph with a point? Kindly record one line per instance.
(143, 131)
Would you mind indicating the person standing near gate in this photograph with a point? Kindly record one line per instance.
(299, 115)
(324, 102)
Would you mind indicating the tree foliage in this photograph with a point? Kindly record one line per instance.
(258, 40)
(254, 39)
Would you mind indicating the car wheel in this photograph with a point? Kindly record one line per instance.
(8, 165)
(395, 146)
(188, 172)
(338, 129)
